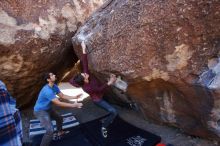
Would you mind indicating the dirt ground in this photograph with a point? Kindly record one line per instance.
(90, 111)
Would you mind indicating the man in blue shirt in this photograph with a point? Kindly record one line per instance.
(44, 112)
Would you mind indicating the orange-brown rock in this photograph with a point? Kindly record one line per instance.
(35, 37)
(169, 51)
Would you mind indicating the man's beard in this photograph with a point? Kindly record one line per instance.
(56, 81)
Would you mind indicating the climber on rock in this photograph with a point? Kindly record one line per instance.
(95, 89)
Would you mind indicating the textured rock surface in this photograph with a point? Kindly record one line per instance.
(34, 38)
(162, 48)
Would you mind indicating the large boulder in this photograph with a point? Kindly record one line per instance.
(35, 37)
(168, 52)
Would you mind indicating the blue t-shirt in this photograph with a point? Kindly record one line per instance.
(46, 95)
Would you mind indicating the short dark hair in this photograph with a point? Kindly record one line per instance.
(79, 79)
(46, 76)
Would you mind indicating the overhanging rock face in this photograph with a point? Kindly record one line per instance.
(35, 38)
(164, 49)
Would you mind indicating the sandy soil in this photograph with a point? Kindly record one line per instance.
(90, 112)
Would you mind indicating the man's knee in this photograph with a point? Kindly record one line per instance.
(60, 119)
(49, 131)
(114, 111)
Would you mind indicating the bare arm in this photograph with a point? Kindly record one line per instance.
(83, 45)
(61, 95)
(112, 79)
(84, 59)
(57, 102)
